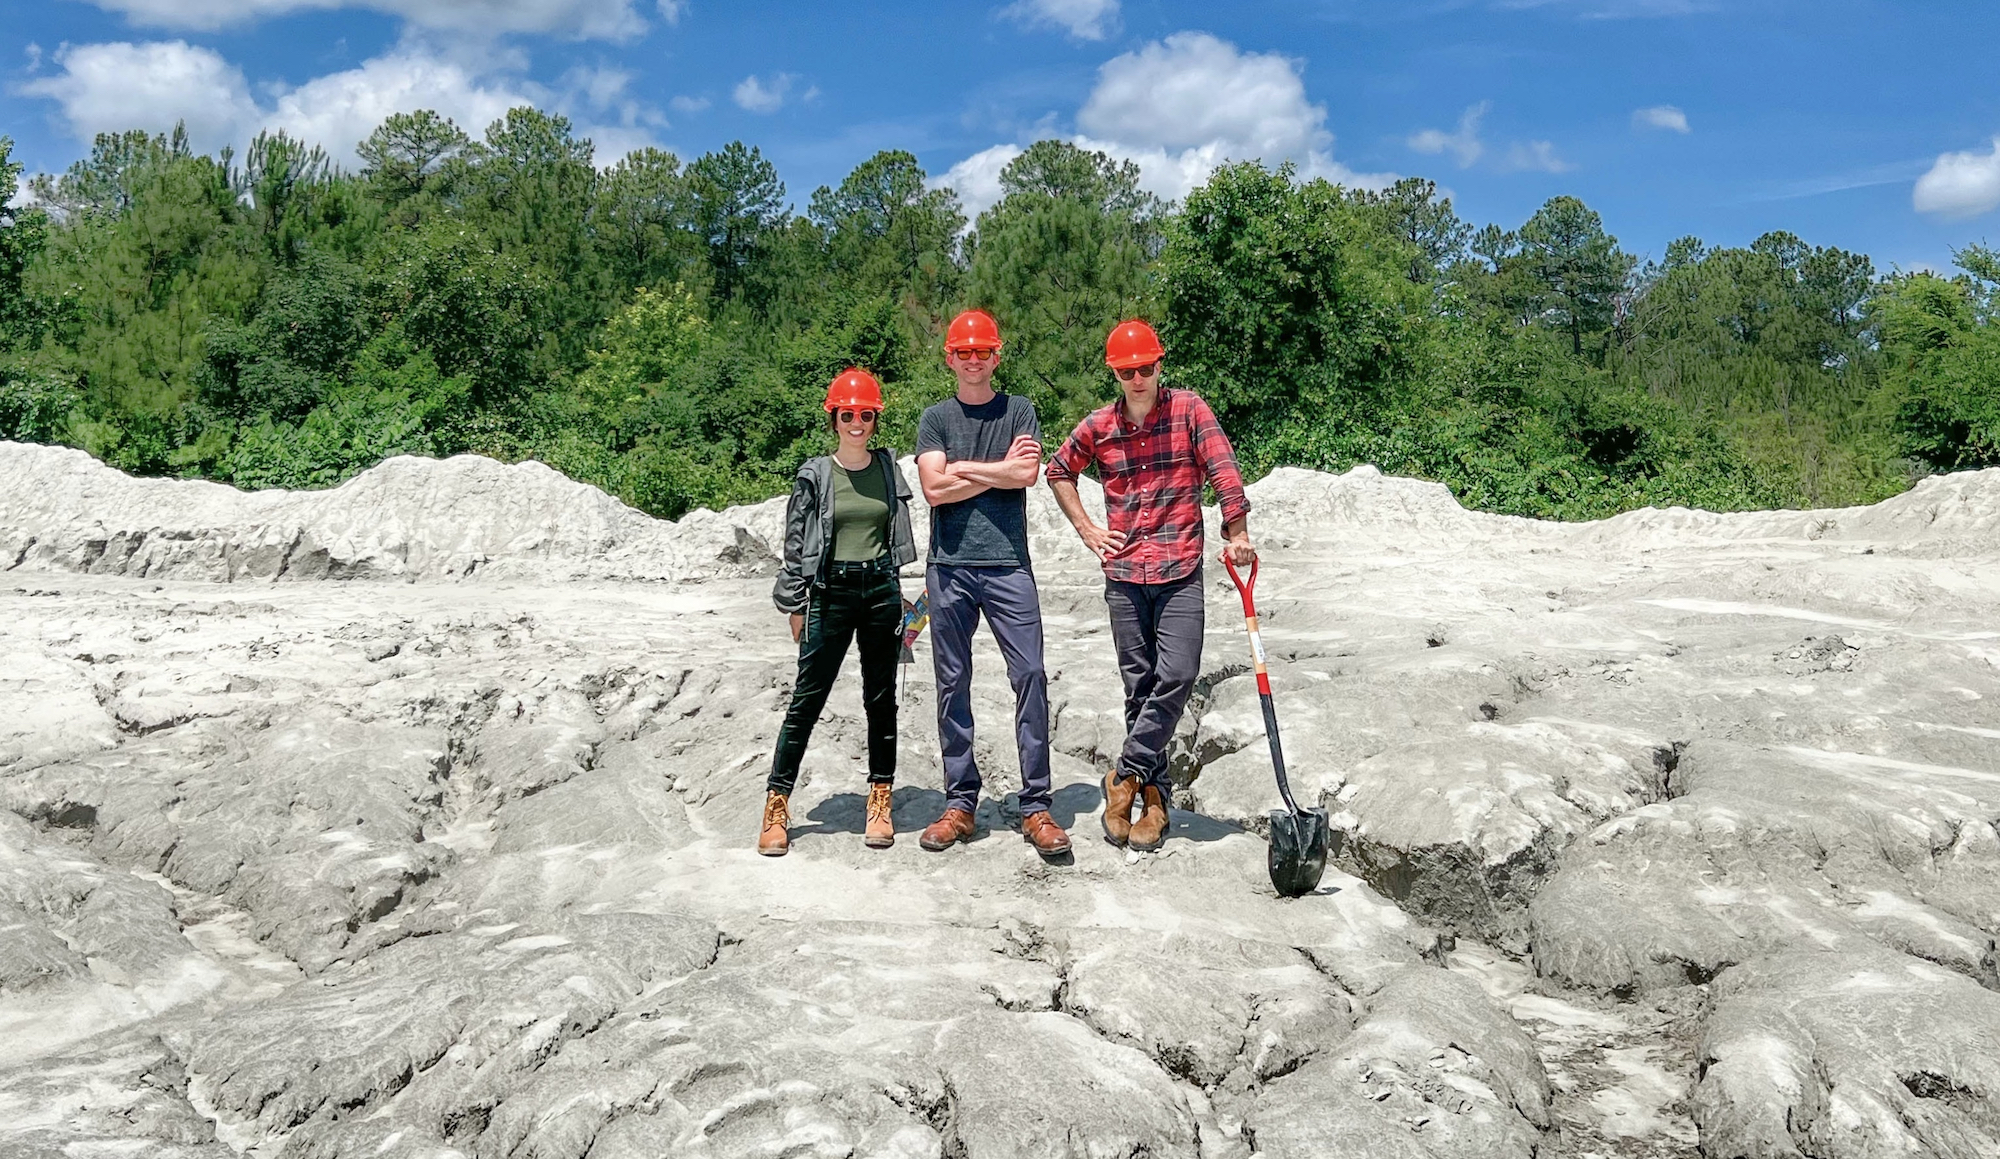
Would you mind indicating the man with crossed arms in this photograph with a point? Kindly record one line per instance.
(978, 452)
(1153, 449)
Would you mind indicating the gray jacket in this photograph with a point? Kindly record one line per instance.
(809, 529)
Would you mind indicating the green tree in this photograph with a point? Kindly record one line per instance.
(735, 201)
(1281, 298)
(407, 151)
(642, 350)
(285, 186)
(639, 221)
(1059, 259)
(1943, 346)
(23, 234)
(308, 325)
(140, 286)
(887, 232)
(475, 309)
(529, 188)
(1426, 222)
(1580, 267)
(107, 182)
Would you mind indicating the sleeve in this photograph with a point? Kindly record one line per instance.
(930, 431)
(1217, 459)
(1026, 421)
(789, 592)
(1077, 452)
(902, 483)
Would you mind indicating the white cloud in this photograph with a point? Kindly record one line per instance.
(340, 109)
(1083, 19)
(688, 106)
(671, 11)
(1463, 144)
(1536, 156)
(758, 96)
(1182, 106)
(108, 88)
(1960, 185)
(578, 19)
(1466, 147)
(1662, 117)
(602, 86)
(113, 87)
(976, 179)
(1193, 89)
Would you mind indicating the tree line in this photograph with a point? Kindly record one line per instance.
(665, 330)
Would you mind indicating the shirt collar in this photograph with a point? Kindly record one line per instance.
(1124, 420)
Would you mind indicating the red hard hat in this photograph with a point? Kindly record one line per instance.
(973, 330)
(1132, 344)
(854, 387)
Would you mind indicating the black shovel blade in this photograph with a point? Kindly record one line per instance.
(1299, 844)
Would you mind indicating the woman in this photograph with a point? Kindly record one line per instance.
(847, 531)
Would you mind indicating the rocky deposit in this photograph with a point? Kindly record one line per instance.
(415, 818)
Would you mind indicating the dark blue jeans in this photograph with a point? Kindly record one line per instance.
(1157, 629)
(1013, 609)
(866, 610)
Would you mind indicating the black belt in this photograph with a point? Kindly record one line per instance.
(859, 569)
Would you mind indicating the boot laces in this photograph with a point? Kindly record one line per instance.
(776, 814)
(878, 804)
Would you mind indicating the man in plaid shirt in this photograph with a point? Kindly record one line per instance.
(1153, 449)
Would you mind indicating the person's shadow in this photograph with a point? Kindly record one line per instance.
(914, 808)
(911, 809)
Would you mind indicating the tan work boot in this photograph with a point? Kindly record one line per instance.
(1119, 793)
(1149, 832)
(776, 838)
(881, 830)
(955, 826)
(1041, 831)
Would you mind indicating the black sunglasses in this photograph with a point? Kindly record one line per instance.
(1128, 373)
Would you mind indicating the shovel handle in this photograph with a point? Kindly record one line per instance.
(1245, 587)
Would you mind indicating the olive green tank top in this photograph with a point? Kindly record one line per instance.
(860, 513)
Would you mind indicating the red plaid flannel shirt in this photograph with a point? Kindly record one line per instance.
(1152, 477)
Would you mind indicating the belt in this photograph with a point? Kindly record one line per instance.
(859, 569)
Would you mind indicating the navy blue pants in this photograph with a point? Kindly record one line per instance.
(1013, 609)
(1157, 629)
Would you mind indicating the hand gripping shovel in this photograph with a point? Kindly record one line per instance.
(1299, 837)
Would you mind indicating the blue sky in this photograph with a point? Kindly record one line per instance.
(1870, 125)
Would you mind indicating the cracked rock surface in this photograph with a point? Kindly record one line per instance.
(416, 818)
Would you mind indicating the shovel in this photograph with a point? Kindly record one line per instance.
(915, 616)
(1299, 837)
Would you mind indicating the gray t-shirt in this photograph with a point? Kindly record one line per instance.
(991, 528)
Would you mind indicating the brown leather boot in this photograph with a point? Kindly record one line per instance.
(1041, 831)
(881, 830)
(955, 826)
(1149, 832)
(775, 839)
(1119, 793)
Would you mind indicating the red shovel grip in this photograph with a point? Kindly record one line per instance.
(1243, 587)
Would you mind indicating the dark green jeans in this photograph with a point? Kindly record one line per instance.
(866, 608)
